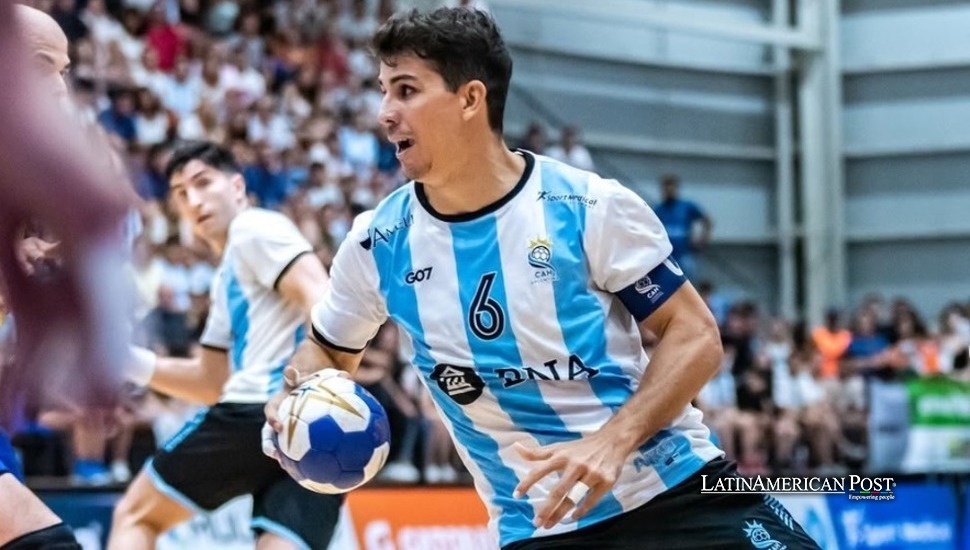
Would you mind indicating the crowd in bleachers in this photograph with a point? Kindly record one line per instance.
(289, 88)
(795, 398)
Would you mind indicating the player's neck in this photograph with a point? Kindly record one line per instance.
(218, 241)
(217, 244)
(480, 181)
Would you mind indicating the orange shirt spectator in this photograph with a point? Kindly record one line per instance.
(831, 341)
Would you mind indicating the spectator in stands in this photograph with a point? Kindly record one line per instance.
(249, 39)
(180, 91)
(153, 124)
(164, 38)
(570, 150)
(66, 14)
(953, 341)
(817, 415)
(169, 319)
(914, 351)
(242, 78)
(867, 352)
(680, 218)
(752, 385)
(102, 26)
(867, 356)
(875, 304)
(358, 25)
(534, 139)
(119, 118)
(202, 124)
(358, 145)
(831, 340)
(267, 125)
(776, 353)
(332, 55)
(147, 74)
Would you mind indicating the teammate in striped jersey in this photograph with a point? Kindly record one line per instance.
(266, 283)
(520, 283)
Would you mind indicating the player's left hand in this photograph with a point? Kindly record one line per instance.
(589, 467)
(33, 251)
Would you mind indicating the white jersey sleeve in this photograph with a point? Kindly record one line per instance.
(267, 243)
(625, 240)
(218, 329)
(354, 308)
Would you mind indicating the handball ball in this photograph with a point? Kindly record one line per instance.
(335, 435)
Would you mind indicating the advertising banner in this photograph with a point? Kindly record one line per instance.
(939, 432)
(88, 513)
(921, 516)
(395, 519)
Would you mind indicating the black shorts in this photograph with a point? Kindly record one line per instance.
(218, 456)
(682, 517)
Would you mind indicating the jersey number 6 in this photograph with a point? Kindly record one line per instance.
(485, 315)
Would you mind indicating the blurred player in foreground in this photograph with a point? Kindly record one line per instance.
(523, 320)
(67, 327)
(268, 280)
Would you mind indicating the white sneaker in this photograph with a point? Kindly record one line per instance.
(433, 474)
(401, 472)
(449, 474)
(120, 471)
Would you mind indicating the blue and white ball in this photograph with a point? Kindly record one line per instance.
(335, 435)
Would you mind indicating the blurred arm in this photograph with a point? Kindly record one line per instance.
(197, 380)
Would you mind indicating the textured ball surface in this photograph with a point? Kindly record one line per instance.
(335, 435)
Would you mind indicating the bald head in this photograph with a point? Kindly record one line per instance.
(46, 44)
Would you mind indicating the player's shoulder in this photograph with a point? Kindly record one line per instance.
(254, 222)
(389, 220)
(255, 216)
(566, 183)
(396, 204)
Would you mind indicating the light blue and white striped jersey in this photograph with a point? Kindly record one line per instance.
(516, 318)
(247, 316)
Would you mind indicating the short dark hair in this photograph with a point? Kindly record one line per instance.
(460, 43)
(670, 179)
(207, 152)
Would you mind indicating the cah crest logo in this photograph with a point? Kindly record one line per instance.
(760, 538)
(540, 257)
(648, 288)
(460, 383)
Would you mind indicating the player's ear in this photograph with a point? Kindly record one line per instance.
(472, 96)
(239, 184)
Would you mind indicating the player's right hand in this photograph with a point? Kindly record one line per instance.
(291, 381)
